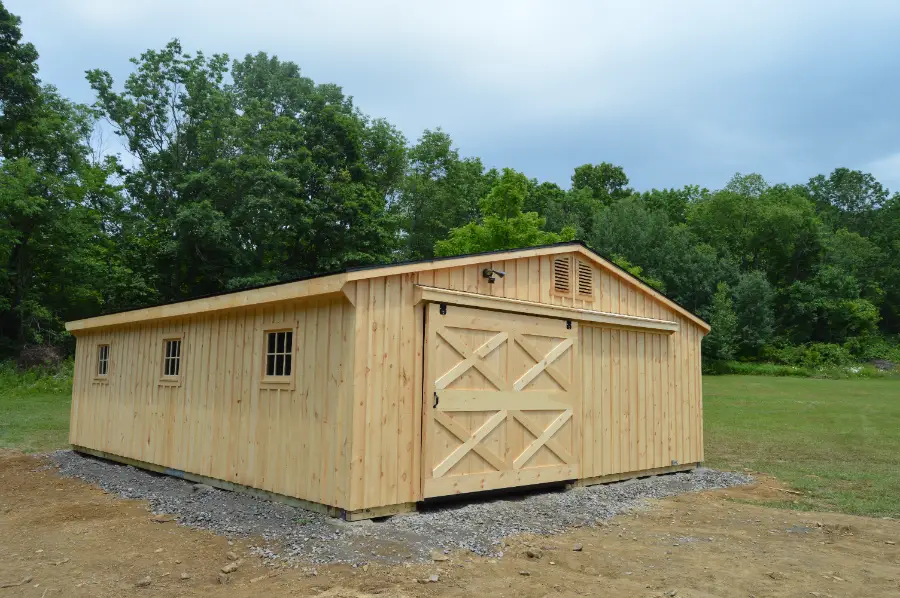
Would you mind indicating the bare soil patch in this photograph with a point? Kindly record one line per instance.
(72, 539)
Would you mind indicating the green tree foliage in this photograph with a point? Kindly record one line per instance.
(265, 178)
(503, 225)
(637, 272)
(687, 268)
(754, 310)
(723, 340)
(848, 198)
(605, 182)
(52, 201)
(772, 229)
(440, 192)
(673, 203)
(827, 308)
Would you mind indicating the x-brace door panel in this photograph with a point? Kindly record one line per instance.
(501, 400)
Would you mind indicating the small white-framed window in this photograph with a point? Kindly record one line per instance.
(102, 360)
(279, 362)
(172, 358)
(172, 362)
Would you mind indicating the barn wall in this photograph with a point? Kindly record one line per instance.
(386, 440)
(386, 449)
(642, 399)
(220, 422)
(530, 279)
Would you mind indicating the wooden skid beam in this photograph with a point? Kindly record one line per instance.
(629, 475)
(308, 505)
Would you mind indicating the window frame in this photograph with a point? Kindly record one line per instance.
(98, 377)
(169, 380)
(285, 382)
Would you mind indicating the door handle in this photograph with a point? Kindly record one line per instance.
(436, 399)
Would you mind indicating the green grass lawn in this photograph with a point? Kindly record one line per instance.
(34, 409)
(836, 441)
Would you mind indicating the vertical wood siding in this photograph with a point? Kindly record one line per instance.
(642, 401)
(220, 422)
(387, 387)
(349, 433)
(629, 392)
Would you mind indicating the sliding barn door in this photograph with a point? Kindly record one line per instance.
(502, 400)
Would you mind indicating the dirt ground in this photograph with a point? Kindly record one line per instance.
(70, 539)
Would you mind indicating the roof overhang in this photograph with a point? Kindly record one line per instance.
(315, 287)
(333, 284)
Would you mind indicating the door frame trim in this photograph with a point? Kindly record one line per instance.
(490, 480)
(424, 294)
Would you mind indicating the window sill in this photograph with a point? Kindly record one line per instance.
(100, 380)
(169, 382)
(277, 383)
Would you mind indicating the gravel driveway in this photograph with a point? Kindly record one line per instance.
(301, 536)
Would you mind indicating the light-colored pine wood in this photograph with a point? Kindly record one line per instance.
(468, 435)
(219, 423)
(355, 428)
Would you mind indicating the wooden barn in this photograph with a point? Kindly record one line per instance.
(362, 393)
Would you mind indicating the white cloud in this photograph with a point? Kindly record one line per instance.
(887, 170)
(730, 83)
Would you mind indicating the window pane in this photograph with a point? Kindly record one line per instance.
(176, 364)
(279, 365)
(280, 347)
(287, 364)
(289, 343)
(270, 365)
(176, 349)
(271, 342)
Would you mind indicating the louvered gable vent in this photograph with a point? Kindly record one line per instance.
(562, 275)
(585, 279)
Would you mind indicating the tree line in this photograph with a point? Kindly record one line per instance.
(244, 172)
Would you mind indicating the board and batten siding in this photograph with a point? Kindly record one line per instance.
(642, 399)
(386, 461)
(221, 422)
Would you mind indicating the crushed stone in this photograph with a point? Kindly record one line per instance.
(296, 536)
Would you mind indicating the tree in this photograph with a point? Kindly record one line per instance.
(52, 197)
(687, 268)
(754, 310)
(848, 198)
(773, 229)
(674, 203)
(19, 85)
(722, 341)
(440, 192)
(266, 178)
(827, 308)
(637, 272)
(606, 182)
(503, 225)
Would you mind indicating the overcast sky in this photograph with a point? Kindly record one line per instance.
(675, 92)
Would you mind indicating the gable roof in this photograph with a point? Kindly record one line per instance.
(333, 283)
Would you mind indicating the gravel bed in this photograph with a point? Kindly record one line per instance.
(300, 536)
